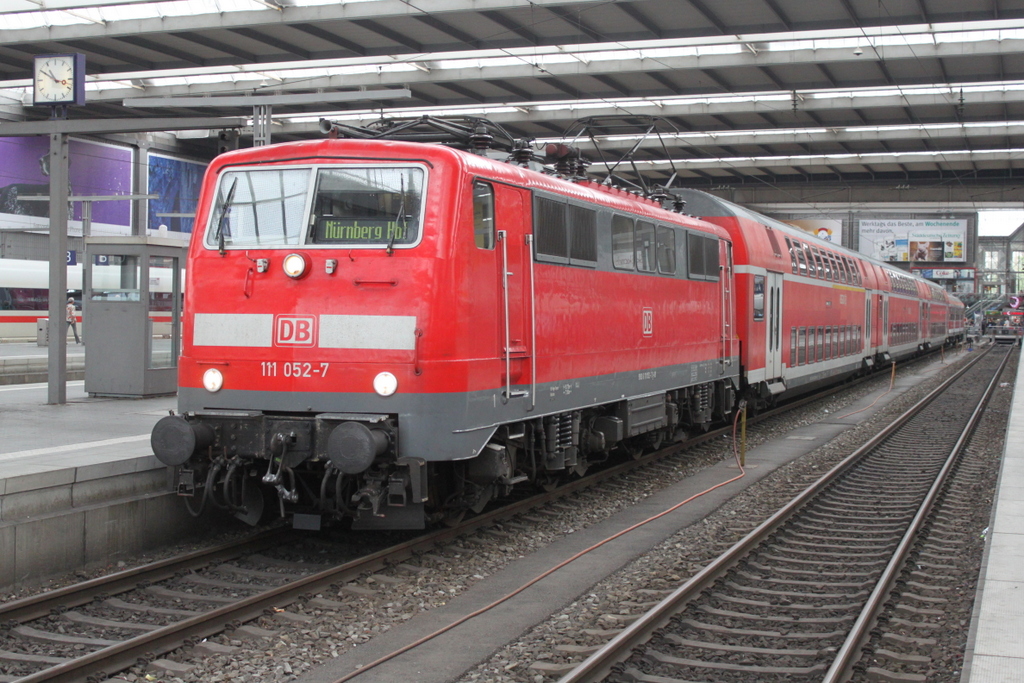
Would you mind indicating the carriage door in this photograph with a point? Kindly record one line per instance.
(883, 310)
(728, 307)
(867, 323)
(773, 331)
(512, 214)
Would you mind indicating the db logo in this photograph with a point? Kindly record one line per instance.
(294, 330)
(648, 322)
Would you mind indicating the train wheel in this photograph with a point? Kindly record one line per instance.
(547, 483)
(453, 517)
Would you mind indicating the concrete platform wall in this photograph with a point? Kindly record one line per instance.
(62, 520)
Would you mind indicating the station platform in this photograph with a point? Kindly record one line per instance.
(24, 362)
(79, 484)
(995, 648)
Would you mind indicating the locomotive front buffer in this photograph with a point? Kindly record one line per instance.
(339, 464)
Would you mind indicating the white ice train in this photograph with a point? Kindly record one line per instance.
(24, 294)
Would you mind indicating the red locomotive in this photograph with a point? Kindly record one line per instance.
(398, 332)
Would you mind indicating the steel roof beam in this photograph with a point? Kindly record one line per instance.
(561, 114)
(823, 161)
(382, 10)
(525, 69)
(838, 136)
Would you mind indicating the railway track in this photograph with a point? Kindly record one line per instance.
(145, 612)
(802, 595)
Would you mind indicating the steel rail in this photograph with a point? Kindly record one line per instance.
(850, 651)
(599, 664)
(127, 653)
(36, 606)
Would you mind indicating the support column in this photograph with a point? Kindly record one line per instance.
(57, 350)
(140, 186)
(261, 122)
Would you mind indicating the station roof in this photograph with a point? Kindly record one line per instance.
(911, 90)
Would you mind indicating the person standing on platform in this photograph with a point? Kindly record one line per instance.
(72, 318)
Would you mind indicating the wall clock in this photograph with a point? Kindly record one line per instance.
(58, 80)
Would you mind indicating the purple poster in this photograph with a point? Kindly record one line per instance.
(94, 169)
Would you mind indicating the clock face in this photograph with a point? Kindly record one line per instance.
(55, 80)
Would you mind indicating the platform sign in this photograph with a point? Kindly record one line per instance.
(72, 257)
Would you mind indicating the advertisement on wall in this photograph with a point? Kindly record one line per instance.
(827, 229)
(94, 169)
(905, 240)
(177, 181)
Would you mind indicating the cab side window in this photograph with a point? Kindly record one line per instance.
(483, 215)
(622, 242)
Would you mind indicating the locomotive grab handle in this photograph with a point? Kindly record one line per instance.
(416, 369)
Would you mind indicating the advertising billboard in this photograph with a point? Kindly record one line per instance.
(827, 229)
(94, 169)
(177, 181)
(932, 240)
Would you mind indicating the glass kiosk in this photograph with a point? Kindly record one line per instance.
(131, 315)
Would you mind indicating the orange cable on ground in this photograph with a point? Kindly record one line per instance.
(549, 572)
(892, 382)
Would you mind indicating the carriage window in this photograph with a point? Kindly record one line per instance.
(818, 267)
(828, 343)
(830, 266)
(792, 255)
(821, 344)
(549, 228)
(759, 297)
(711, 264)
(666, 250)
(582, 235)
(483, 215)
(810, 346)
(622, 242)
(376, 207)
(695, 255)
(810, 260)
(800, 258)
(644, 246)
(801, 347)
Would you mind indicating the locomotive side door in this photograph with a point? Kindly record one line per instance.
(773, 332)
(512, 213)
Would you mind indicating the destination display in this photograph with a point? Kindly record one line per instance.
(362, 231)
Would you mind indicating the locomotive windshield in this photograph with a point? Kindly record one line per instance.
(259, 208)
(350, 206)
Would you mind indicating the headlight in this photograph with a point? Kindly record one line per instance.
(385, 384)
(294, 265)
(213, 380)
